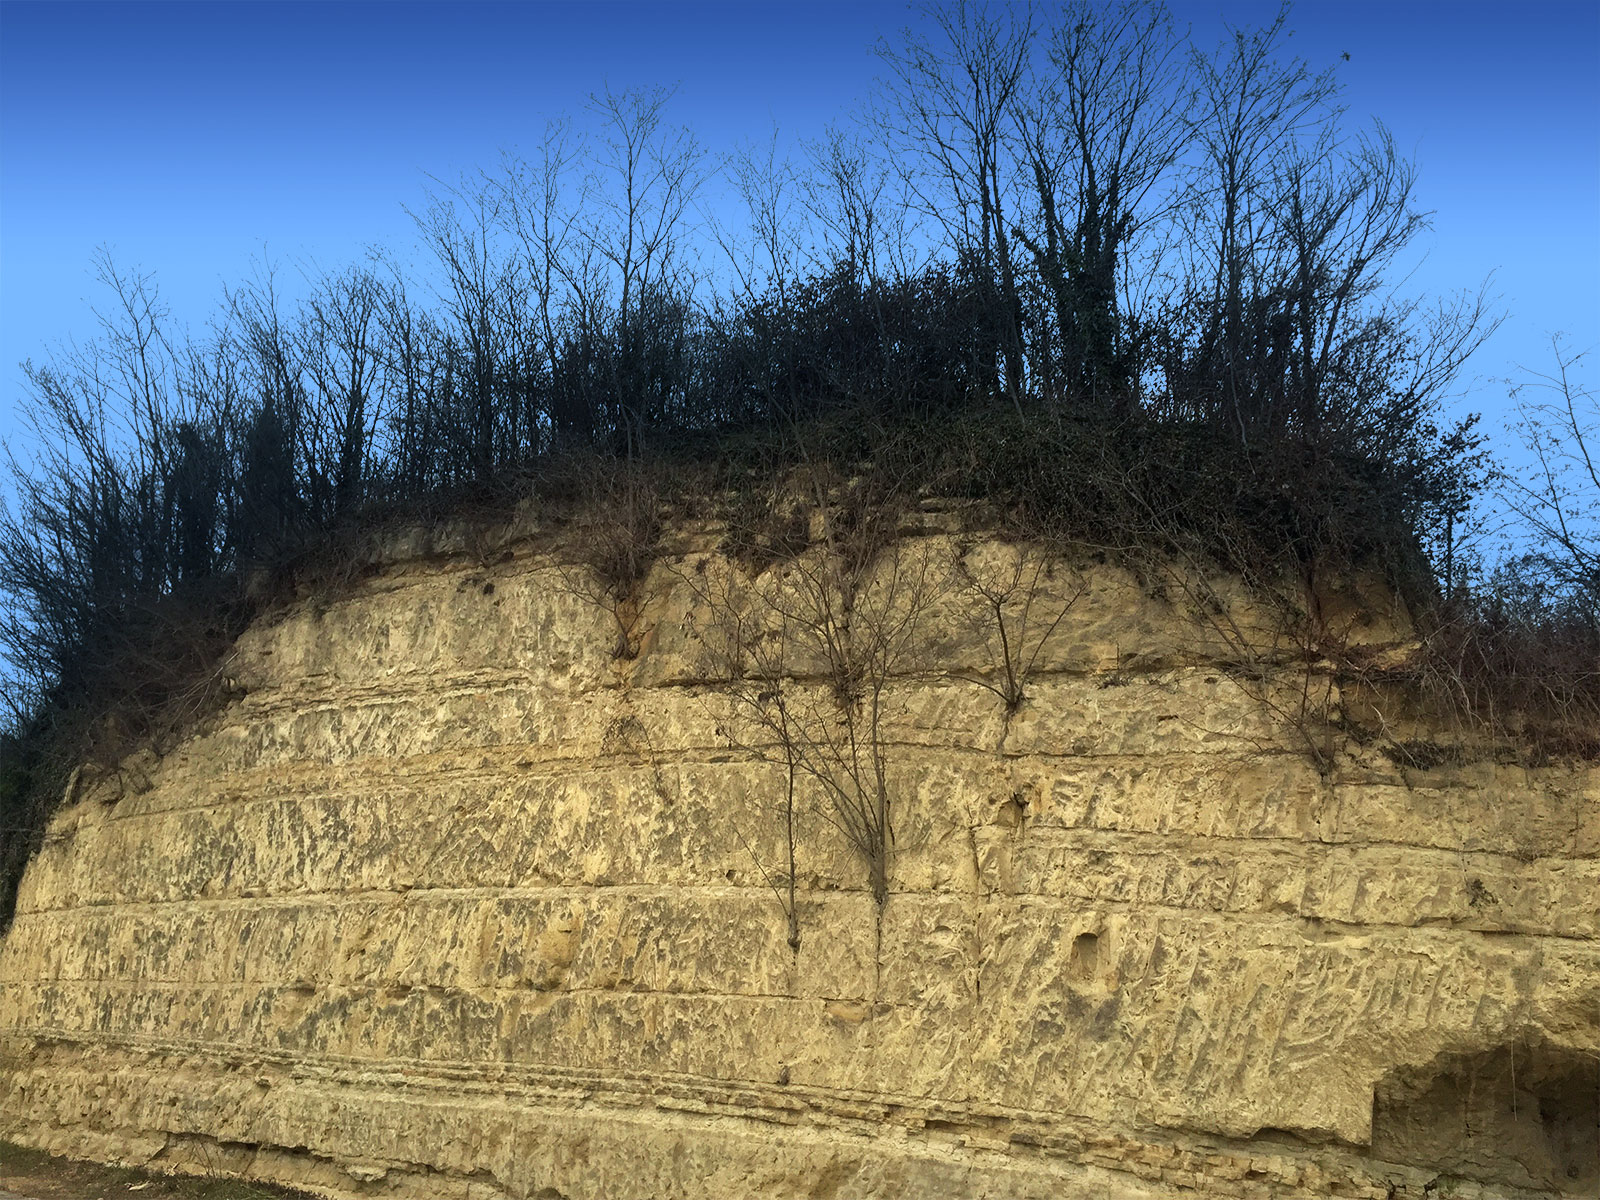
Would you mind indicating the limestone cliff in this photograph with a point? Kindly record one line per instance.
(457, 901)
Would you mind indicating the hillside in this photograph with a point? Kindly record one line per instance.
(930, 865)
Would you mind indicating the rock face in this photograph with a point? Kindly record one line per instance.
(455, 902)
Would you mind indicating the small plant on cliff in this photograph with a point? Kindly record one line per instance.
(1011, 605)
(618, 530)
(810, 649)
(748, 654)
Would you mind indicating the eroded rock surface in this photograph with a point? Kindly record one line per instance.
(455, 904)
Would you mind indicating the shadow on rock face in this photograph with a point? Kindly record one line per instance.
(1522, 1114)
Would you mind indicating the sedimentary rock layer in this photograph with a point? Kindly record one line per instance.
(453, 902)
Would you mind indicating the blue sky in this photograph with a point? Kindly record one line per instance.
(187, 137)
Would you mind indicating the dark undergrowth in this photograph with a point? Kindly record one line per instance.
(1138, 493)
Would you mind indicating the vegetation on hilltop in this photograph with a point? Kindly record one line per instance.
(1133, 290)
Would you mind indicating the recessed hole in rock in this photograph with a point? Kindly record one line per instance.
(1085, 962)
(1523, 1114)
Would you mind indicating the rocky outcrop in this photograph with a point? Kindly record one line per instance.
(453, 901)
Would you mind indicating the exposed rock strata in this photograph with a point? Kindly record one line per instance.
(452, 903)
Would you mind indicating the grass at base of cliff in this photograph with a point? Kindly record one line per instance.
(40, 1176)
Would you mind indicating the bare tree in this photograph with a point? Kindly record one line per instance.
(951, 103)
(544, 215)
(113, 529)
(340, 338)
(133, 435)
(1559, 501)
(1342, 221)
(270, 483)
(1101, 137)
(847, 192)
(765, 259)
(482, 293)
(410, 342)
(655, 174)
(1251, 107)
